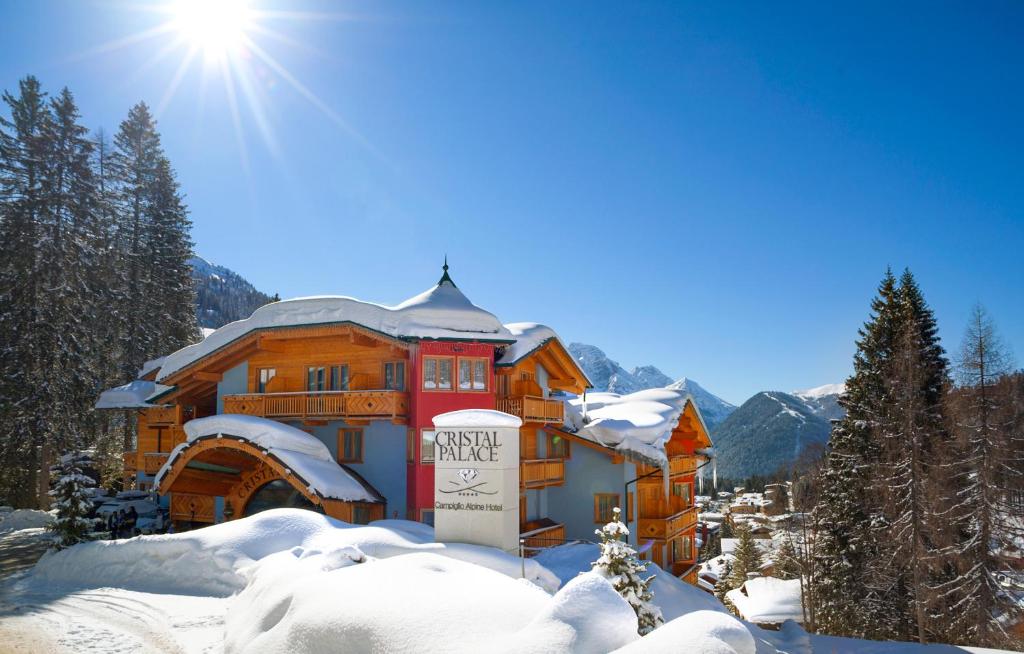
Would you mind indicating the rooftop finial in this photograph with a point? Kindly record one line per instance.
(445, 277)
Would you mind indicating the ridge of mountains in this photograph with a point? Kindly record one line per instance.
(768, 431)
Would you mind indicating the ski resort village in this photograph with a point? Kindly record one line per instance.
(387, 413)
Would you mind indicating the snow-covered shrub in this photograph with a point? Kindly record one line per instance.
(619, 564)
(71, 496)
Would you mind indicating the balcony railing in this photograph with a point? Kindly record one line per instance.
(152, 461)
(131, 461)
(164, 415)
(533, 409)
(537, 539)
(320, 405)
(666, 528)
(538, 473)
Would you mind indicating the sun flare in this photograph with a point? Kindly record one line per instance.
(217, 27)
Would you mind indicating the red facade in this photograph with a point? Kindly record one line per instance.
(425, 404)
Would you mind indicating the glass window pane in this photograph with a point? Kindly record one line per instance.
(479, 375)
(344, 378)
(427, 447)
(389, 375)
(400, 376)
(430, 373)
(464, 380)
(335, 378)
(445, 376)
(310, 379)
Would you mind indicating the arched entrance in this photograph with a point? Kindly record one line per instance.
(277, 494)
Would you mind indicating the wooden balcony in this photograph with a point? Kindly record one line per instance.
(164, 415)
(131, 461)
(325, 405)
(537, 539)
(682, 465)
(538, 473)
(532, 409)
(152, 462)
(666, 528)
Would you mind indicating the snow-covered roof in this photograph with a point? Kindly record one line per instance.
(134, 395)
(767, 600)
(441, 312)
(530, 336)
(638, 425)
(302, 453)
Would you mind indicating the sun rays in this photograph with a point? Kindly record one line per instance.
(226, 41)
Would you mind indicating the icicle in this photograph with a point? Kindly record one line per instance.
(700, 479)
(664, 477)
(714, 472)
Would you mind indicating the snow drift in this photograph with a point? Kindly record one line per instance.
(212, 561)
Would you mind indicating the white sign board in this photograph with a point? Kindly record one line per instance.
(476, 478)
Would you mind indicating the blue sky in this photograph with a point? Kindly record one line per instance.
(715, 189)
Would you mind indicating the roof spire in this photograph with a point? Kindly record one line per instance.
(446, 277)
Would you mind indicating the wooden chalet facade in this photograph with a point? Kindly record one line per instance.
(367, 387)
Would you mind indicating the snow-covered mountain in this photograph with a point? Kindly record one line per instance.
(768, 431)
(824, 400)
(222, 295)
(608, 375)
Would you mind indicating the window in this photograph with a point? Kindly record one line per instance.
(360, 514)
(350, 446)
(558, 447)
(687, 549)
(437, 373)
(316, 378)
(265, 375)
(394, 376)
(603, 505)
(427, 516)
(339, 378)
(683, 490)
(675, 552)
(472, 374)
(427, 447)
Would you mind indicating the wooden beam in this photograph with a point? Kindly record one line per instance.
(270, 345)
(208, 376)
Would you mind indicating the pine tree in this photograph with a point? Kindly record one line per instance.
(71, 495)
(748, 558)
(724, 585)
(847, 511)
(619, 564)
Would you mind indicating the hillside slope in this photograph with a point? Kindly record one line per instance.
(222, 295)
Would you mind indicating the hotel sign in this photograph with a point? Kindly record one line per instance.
(476, 478)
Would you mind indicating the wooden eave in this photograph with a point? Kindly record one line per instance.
(231, 354)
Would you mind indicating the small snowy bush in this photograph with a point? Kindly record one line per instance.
(619, 564)
(72, 500)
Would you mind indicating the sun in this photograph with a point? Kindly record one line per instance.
(217, 27)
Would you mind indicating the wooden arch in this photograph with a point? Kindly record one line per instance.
(256, 467)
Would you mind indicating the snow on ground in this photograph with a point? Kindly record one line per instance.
(767, 600)
(290, 580)
(19, 519)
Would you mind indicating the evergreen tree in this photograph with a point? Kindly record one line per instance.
(846, 553)
(71, 495)
(724, 585)
(748, 558)
(619, 564)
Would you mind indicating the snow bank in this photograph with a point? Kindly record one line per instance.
(706, 632)
(302, 453)
(674, 596)
(213, 560)
(767, 600)
(638, 424)
(19, 519)
(304, 601)
(440, 312)
(134, 395)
